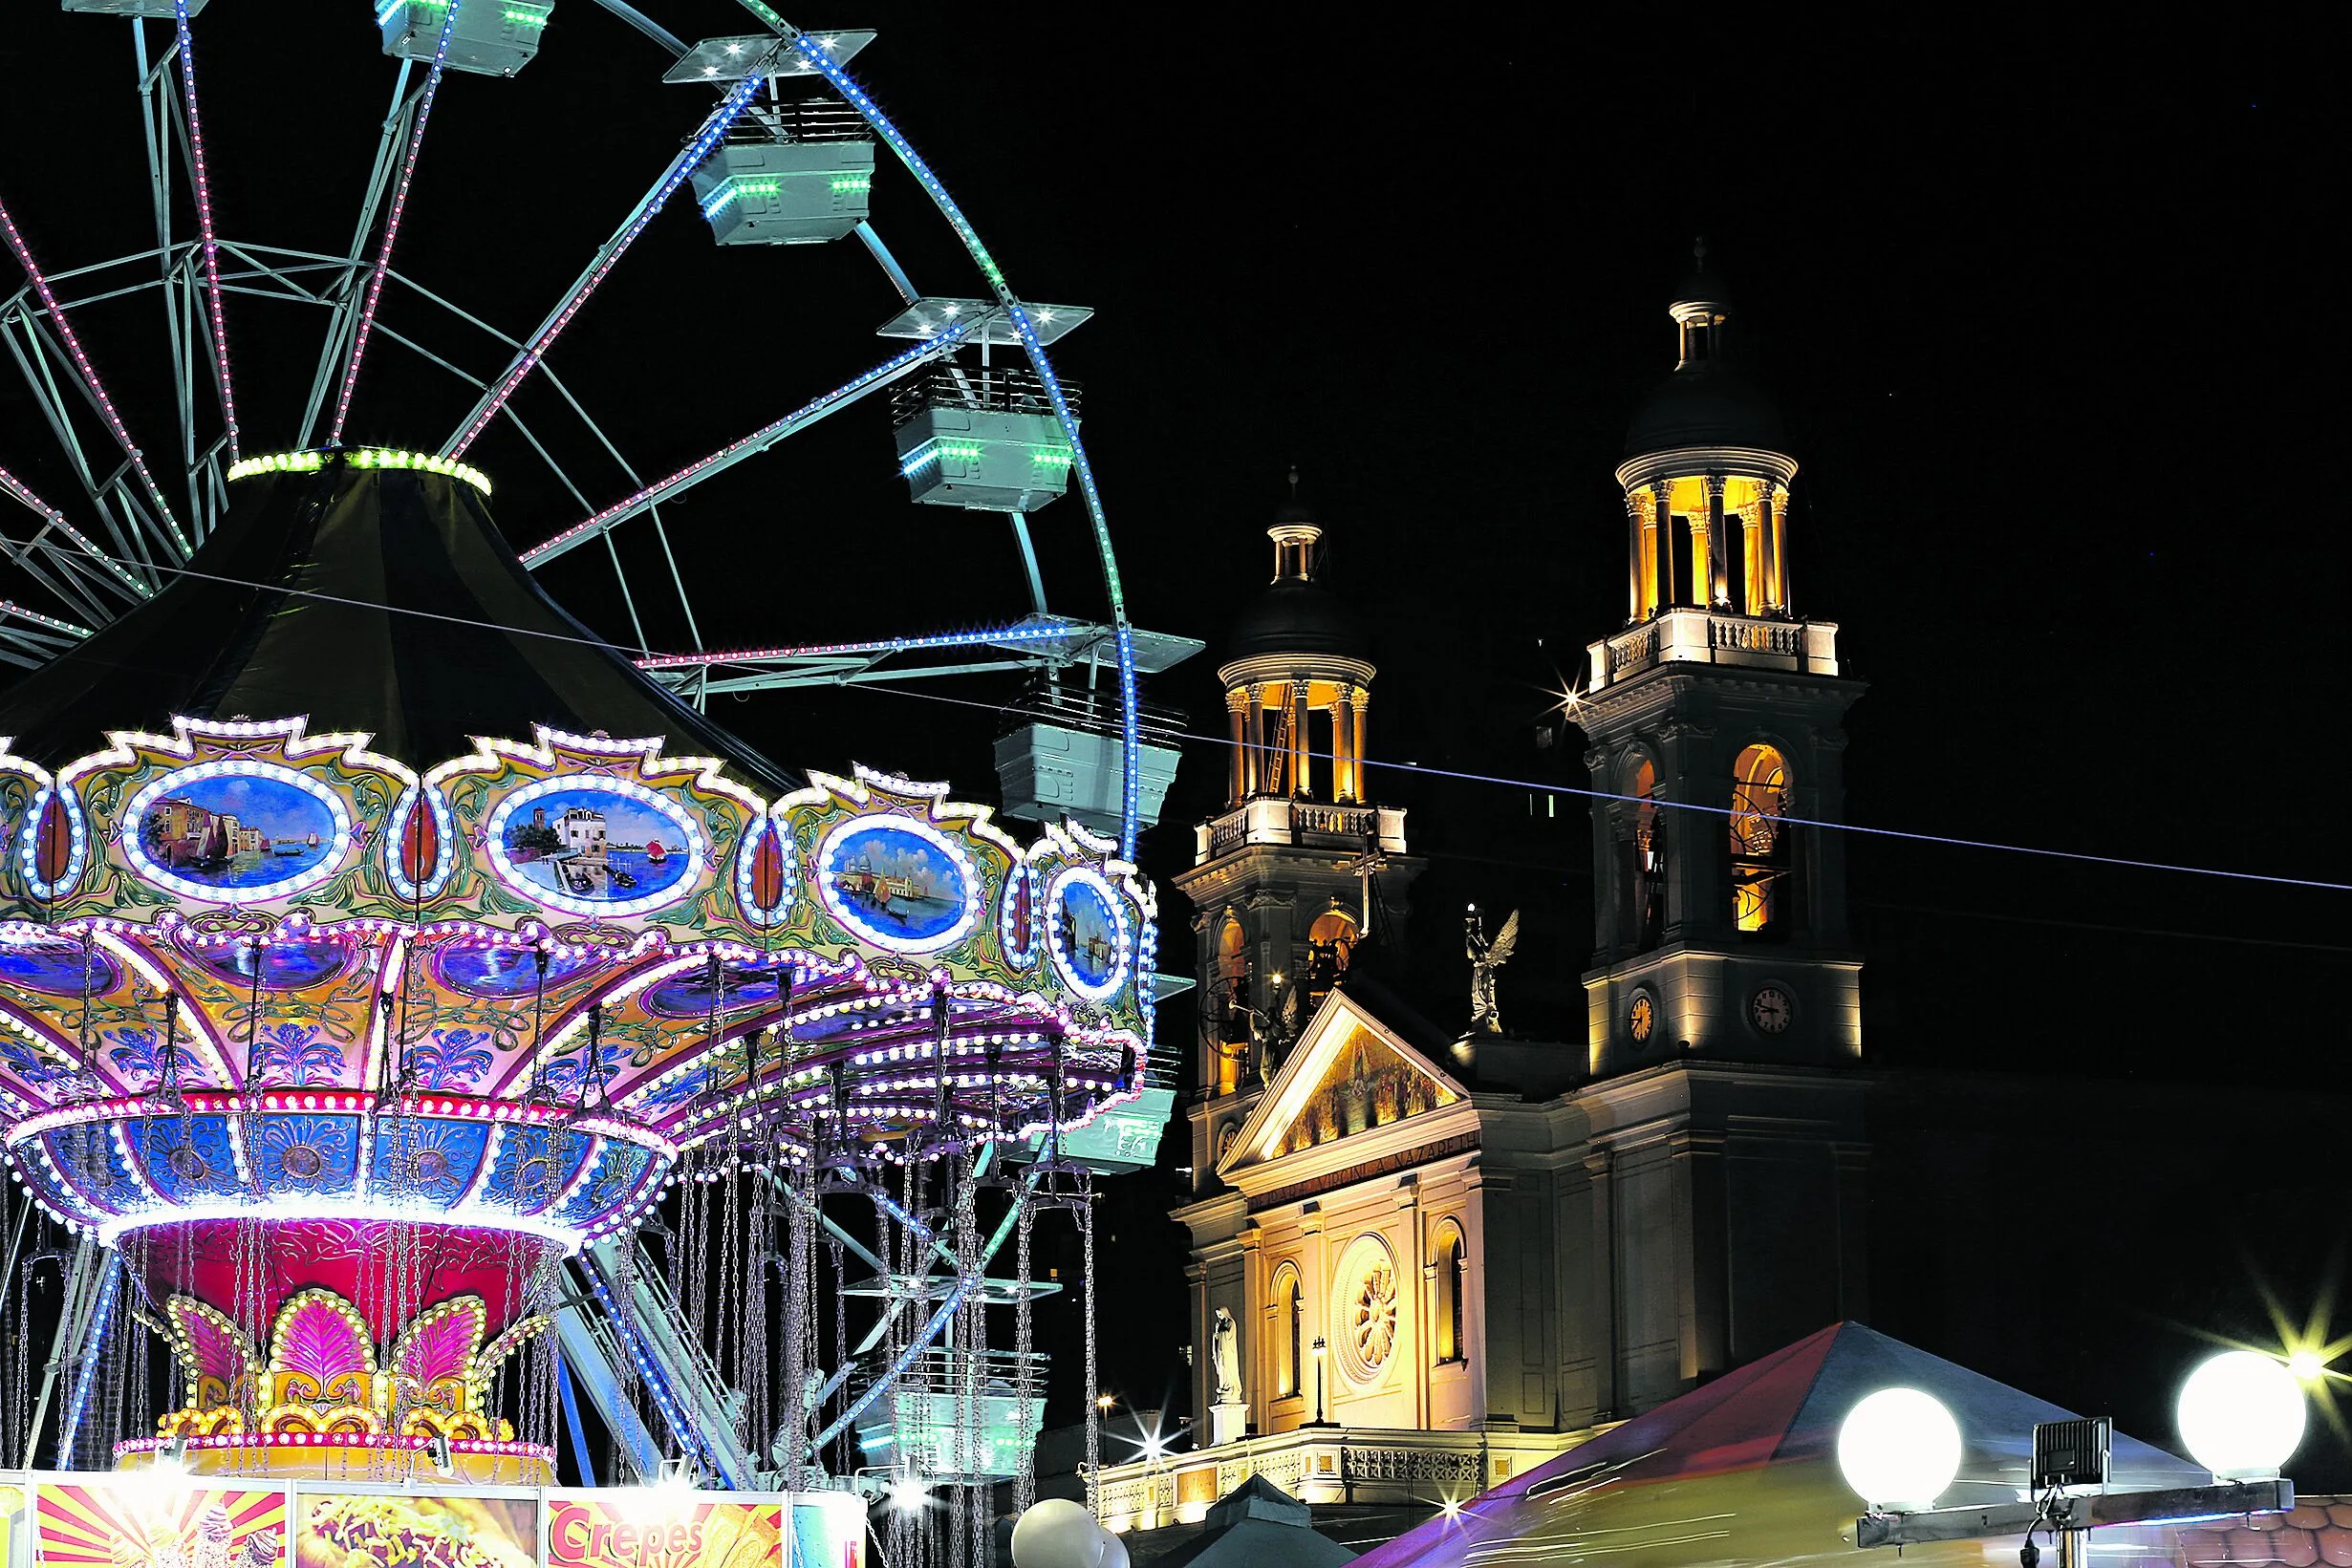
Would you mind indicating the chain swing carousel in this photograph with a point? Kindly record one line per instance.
(412, 1011)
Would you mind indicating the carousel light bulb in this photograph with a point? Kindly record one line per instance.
(2241, 1415)
(2307, 1366)
(1899, 1448)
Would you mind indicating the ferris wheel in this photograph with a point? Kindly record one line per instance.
(783, 151)
(789, 156)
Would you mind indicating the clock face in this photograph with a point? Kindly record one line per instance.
(1770, 1010)
(1642, 1018)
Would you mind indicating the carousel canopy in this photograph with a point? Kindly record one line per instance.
(1745, 1469)
(380, 600)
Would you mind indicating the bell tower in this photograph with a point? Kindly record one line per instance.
(1713, 719)
(1302, 865)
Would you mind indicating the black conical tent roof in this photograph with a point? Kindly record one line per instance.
(380, 600)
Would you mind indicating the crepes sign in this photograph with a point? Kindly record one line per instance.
(648, 1530)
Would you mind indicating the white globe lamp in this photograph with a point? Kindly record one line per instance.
(1058, 1534)
(1114, 1551)
(1899, 1450)
(2241, 1415)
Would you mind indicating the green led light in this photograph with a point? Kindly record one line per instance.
(1056, 457)
(853, 181)
(527, 18)
(364, 457)
(961, 451)
(757, 187)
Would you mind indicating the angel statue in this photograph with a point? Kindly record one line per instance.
(1226, 1358)
(1486, 957)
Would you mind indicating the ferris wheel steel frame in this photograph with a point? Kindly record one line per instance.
(141, 541)
(141, 544)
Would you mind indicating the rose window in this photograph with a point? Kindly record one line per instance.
(1374, 1311)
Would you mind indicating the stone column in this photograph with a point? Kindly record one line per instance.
(1343, 779)
(1252, 740)
(1235, 721)
(1253, 1353)
(1315, 1285)
(1661, 539)
(1416, 1265)
(1633, 557)
(1359, 707)
(1776, 544)
(1700, 1196)
(1601, 1282)
(1718, 579)
(1303, 768)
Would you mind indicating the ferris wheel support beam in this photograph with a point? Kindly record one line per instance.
(713, 130)
(85, 374)
(390, 138)
(752, 445)
(1129, 719)
(127, 520)
(401, 184)
(208, 235)
(646, 25)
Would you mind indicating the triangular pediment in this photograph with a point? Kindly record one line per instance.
(1348, 1074)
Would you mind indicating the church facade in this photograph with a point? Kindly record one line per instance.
(1424, 1260)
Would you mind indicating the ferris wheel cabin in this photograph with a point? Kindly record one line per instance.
(982, 437)
(492, 38)
(796, 174)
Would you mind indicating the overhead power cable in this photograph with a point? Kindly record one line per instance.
(1226, 742)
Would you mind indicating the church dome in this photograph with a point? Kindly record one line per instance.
(1704, 404)
(1297, 617)
(1295, 613)
(1706, 401)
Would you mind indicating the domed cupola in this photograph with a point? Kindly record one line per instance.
(1706, 477)
(1296, 613)
(1297, 681)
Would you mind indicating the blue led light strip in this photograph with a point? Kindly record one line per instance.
(689, 1436)
(1129, 728)
(392, 224)
(204, 228)
(89, 374)
(1017, 632)
(759, 440)
(90, 1359)
(682, 168)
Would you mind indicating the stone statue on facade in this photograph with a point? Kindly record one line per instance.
(1226, 1358)
(1486, 958)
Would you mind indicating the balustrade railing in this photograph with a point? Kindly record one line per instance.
(1275, 821)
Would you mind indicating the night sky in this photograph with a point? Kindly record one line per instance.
(2045, 307)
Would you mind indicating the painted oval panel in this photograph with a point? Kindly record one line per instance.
(498, 973)
(61, 969)
(236, 834)
(597, 847)
(690, 995)
(1090, 934)
(285, 965)
(897, 882)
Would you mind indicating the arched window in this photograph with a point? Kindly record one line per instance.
(1453, 1267)
(1230, 1002)
(1648, 882)
(1290, 1307)
(1760, 890)
(1330, 941)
